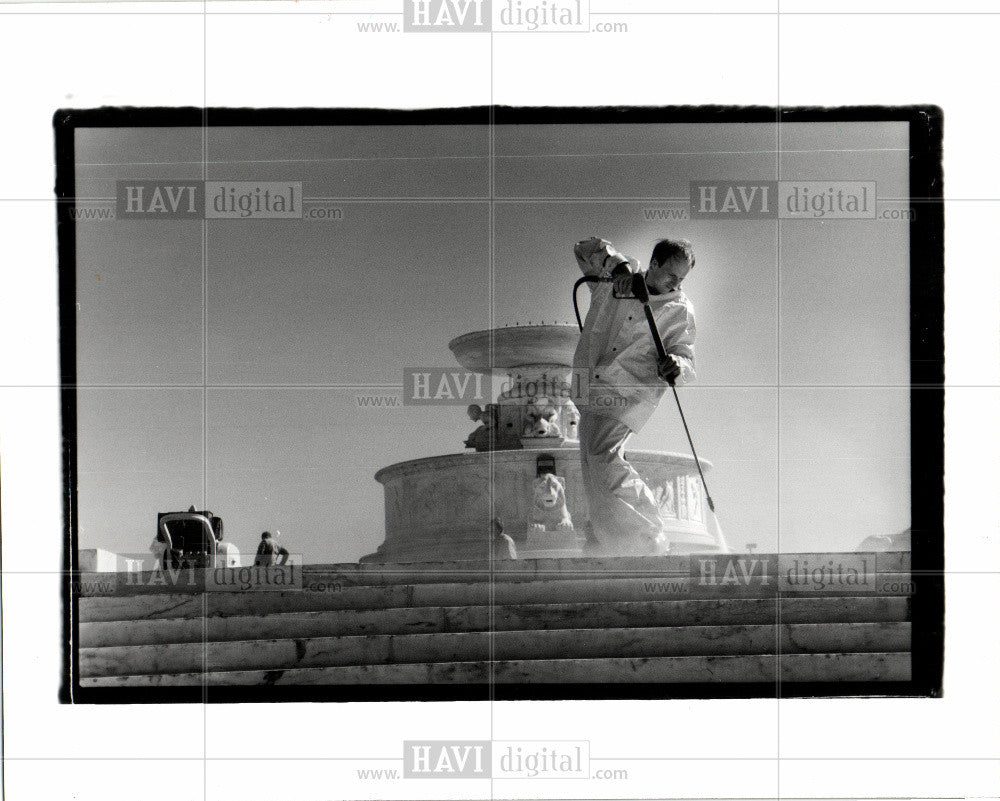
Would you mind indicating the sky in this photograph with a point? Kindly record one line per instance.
(220, 362)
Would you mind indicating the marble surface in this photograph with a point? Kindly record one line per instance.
(534, 621)
(440, 507)
(639, 670)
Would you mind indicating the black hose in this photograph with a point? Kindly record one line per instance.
(585, 279)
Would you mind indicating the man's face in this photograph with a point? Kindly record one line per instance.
(668, 276)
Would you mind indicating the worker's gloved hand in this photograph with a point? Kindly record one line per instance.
(623, 285)
(668, 368)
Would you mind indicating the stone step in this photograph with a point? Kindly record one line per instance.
(820, 667)
(539, 591)
(636, 614)
(373, 574)
(275, 654)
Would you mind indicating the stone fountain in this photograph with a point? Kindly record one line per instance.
(443, 508)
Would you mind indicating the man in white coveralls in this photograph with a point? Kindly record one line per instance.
(626, 381)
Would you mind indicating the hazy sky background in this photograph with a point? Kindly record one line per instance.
(802, 401)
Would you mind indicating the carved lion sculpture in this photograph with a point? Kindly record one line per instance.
(541, 421)
(548, 508)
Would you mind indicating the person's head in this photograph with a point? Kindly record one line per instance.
(266, 535)
(670, 263)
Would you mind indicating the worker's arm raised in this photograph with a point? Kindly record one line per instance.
(598, 257)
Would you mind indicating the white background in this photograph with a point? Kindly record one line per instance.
(310, 54)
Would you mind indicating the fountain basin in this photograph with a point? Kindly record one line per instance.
(503, 349)
(441, 507)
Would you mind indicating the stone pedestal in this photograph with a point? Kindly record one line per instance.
(441, 507)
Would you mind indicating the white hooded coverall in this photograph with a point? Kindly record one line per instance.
(617, 353)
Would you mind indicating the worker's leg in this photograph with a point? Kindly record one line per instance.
(593, 544)
(623, 510)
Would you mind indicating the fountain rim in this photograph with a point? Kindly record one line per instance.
(502, 337)
(556, 326)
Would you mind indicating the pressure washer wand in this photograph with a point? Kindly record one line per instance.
(641, 292)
